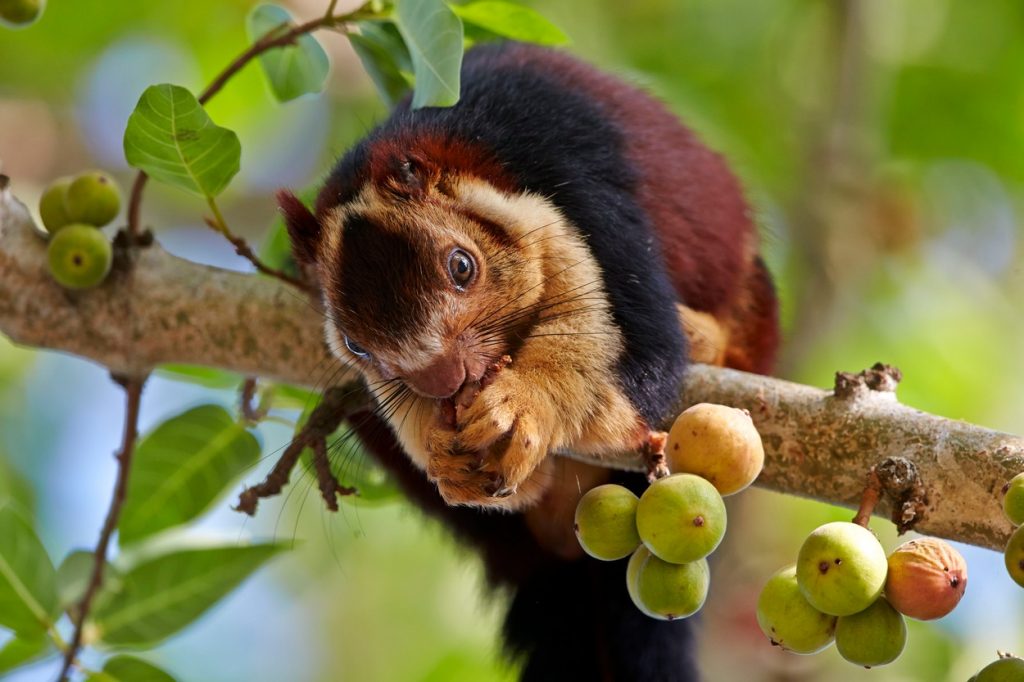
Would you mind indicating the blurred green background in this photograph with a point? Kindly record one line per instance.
(882, 146)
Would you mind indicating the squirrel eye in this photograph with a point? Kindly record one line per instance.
(461, 267)
(355, 348)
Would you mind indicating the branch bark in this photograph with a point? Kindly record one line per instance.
(817, 444)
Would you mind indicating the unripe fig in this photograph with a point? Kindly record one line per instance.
(681, 518)
(1014, 556)
(18, 13)
(632, 573)
(669, 591)
(1013, 500)
(841, 568)
(605, 522)
(93, 198)
(79, 256)
(926, 578)
(1006, 669)
(875, 636)
(718, 443)
(51, 205)
(788, 620)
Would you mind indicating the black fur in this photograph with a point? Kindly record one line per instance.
(569, 621)
(555, 141)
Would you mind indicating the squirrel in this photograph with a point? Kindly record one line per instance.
(526, 272)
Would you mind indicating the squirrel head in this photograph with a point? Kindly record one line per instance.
(428, 275)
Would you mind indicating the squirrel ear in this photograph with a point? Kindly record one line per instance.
(303, 227)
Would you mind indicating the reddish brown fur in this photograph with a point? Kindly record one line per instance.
(708, 240)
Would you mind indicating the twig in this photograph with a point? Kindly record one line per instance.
(872, 493)
(134, 206)
(243, 249)
(338, 404)
(133, 395)
(251, 412)
(330, 488)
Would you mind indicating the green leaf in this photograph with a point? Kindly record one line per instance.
(28, 581)
(209, 377)
(511, 21)
(433, 34)
(18, 652)
(292, 70)
(13, 484)
(164, 594)
(181, 468)
(74, 574)
(170, 137)
(386, 59)
(130, 669)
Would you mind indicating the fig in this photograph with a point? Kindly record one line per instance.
(681, 518)
(718, 443)
(79, 256)
(51, 205)
(1006, 669)
(841, 568)
(632, 572)
(926, 578)
(1013, 499)
(1014, 556)
(669, 591)
(18, 13)
(788, 620)
(93, 198)
(605, 522)
(875, 636)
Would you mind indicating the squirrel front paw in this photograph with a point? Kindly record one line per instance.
(497, 444)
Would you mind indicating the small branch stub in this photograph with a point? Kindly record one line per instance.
(880, 377)
(897, 479)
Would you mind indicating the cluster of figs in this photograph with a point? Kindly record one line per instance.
(669, 531)
(844, 589)
(73, 209)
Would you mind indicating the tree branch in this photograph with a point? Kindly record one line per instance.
(817, 444)
(158, 309)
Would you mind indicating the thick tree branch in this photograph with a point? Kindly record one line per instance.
(817, 445)
(159, 309)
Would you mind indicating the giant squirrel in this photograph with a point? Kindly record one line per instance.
(520, 274)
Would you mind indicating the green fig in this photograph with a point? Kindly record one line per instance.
(788, 620)
(632, 573)
(681, 518)
(669, 591)
(17, 13)
(875, 636)
(1006, 669)
(51, 205)
(93, 198)
(841, 568)
(605, 522)
(1013, 500)
(716, 442)
(1014, 556)
(79, 256)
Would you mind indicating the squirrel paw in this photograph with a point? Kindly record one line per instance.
(498, 442)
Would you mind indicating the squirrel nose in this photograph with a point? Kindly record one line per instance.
(440, 379)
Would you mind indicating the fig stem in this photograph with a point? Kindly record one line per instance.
(868, 499)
